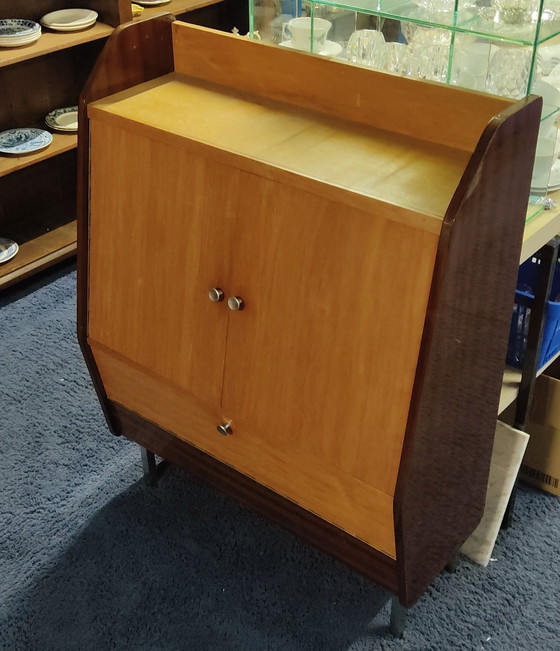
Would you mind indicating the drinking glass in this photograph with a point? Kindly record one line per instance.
(508, 72)
(429, 61)
(517, 12)
(365, 46)
(396, 58)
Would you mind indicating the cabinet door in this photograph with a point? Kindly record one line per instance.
(159, 226)
(320, 362)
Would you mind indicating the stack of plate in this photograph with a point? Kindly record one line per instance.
(17, 31)
(69, 20)
(63, 119)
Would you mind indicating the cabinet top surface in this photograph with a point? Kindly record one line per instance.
(414, 176)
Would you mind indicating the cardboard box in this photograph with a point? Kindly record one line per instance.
(541, 463)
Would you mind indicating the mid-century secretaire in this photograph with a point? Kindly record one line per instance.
(299, 286)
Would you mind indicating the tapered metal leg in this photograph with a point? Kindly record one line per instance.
(150, 467)
(398, 617)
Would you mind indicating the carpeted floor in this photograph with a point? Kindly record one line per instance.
(91, 559)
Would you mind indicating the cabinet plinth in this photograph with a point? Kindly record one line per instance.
(266, 285)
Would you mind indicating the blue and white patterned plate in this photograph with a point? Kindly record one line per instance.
(8, 248)
(24, 141)
(15, 32)
(18, 27)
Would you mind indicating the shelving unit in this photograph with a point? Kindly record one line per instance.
(538, 231)
(38, 191)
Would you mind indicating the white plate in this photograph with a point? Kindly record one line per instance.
(330, 49)
(8, 248)
(18, 42)
(63, 119)
(152, 3)
(16, 142)
(69, 20)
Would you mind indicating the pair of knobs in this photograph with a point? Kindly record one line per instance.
(216, 295)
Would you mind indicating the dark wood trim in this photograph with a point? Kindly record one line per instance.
(135, 53)
(443, 476)
(354, 553)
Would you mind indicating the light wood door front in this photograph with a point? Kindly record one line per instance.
(159, 241)
(320, 362)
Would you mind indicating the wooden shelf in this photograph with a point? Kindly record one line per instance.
(176, 7)
(53, 42)
(511, 382)
(40, 253)
(61, 142)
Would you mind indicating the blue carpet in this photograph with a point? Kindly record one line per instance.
(91, 559)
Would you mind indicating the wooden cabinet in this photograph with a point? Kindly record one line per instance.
(354, 216)
(38, 191)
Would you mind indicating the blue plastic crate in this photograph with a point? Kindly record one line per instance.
(524, 298)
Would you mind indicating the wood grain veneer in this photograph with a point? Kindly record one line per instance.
(150, 40)
(430, 111)
(448, 446)
(356, 554)
(343, 500)
(416, 179)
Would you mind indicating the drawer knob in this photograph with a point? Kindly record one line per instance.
(225, 429)
(216, 295)
(235, 303)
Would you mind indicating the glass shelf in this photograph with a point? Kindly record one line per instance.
(483, 22)
(472, 46)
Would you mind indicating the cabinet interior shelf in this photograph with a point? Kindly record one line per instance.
(39, 253)
(465, 20)
(60, 144)
(51, 42)
(176, 7)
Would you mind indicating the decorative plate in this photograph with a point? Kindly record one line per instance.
(24, 141)
(10, 27)
(8, 248)
(63, 119)
(16, 31)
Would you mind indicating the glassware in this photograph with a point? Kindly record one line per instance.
(429, 61)
(397, 58)
(508, 72)
(366, 46)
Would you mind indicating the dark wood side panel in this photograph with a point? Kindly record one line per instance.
(135, 53)
(326, 537)
(443, 477)
(225, 15)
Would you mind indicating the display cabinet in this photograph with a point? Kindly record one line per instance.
(505, 47)
(284, 301)
(38, 190)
